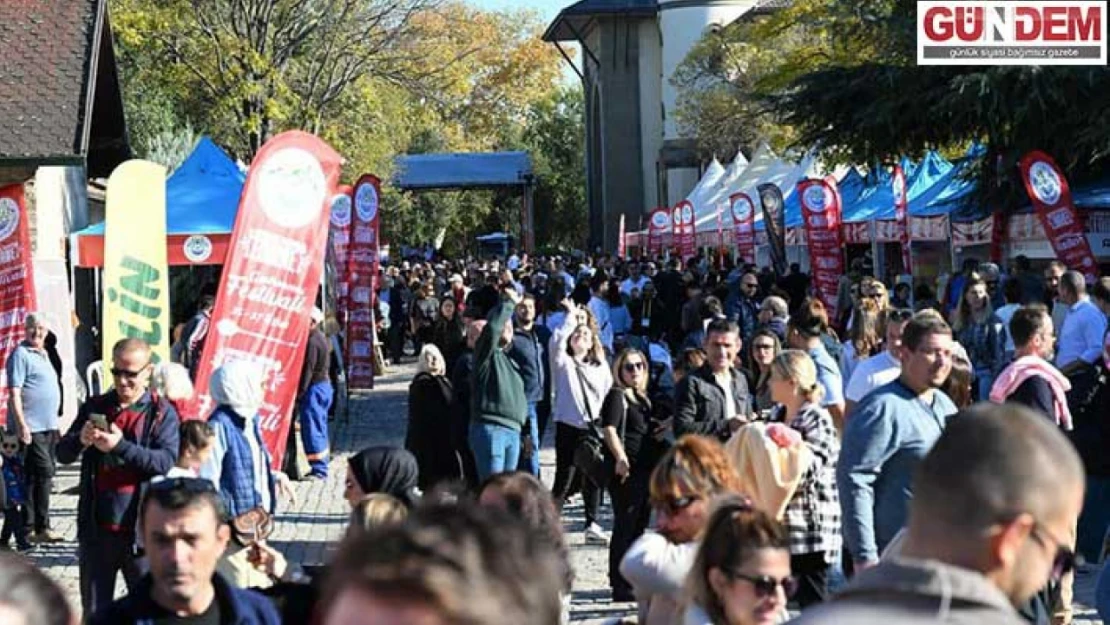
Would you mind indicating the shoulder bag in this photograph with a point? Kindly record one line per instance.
(591, 456)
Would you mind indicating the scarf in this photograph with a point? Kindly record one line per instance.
(238, 385)
(1032, 366)
(389, 470)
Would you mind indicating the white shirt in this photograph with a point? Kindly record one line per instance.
(1082, 334)
(629, 284)
(872, 373)
(600, 309)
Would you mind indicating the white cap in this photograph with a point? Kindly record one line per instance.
(316, 315)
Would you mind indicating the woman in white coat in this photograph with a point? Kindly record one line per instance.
(581, 379)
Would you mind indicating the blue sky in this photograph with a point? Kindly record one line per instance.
(548, 8)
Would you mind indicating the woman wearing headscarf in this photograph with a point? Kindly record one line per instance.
(429, 427)
(239, 464)
(389, 470)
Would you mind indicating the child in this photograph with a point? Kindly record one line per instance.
(196, 445)
(15, 521)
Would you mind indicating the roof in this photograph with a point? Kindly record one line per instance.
(569, 24)
(57, 62)
(462, 171)
(764, 7)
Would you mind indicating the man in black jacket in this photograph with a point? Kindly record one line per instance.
(529, 352)
(714, 400)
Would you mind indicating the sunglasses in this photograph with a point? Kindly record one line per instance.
(674, 505)
(10, 446)
(899, 316)
(633, 366)
(751, 286)
(128, 375)
(765, 585)
(1065, 560)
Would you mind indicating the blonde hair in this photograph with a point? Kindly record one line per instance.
(374, 511)
(796, 366)
(171, 381)
(431, 361)
(618, 364)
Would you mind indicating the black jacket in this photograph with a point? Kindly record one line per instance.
(701, 403)
(237, 606)
(428, 437)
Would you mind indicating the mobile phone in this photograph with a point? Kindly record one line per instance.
(99, 421)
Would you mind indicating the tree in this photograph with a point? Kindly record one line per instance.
(556, 137)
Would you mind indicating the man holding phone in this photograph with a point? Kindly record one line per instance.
(123, 438)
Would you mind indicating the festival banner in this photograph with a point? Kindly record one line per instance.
(272, 275)
(341, 240)
(658, 226)
(136, 274)
(901, 214)
(622, 246)
(774, 221)
(17, 282)
(1048, 188)
(821, 214)
(363, 271)
(743, 223)
(687, 241)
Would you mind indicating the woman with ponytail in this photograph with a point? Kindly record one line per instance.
(812, 517)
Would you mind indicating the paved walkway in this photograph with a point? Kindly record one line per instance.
(307, 533)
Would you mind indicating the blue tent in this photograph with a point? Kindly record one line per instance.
(202, 198)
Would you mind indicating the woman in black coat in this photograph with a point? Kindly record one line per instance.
(449, 333)
(428, 437)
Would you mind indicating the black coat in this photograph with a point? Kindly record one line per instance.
(429, 437)
(701, 404)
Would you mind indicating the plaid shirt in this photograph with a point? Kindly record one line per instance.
(813, 515)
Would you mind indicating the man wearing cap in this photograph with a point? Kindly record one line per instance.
(314, 396)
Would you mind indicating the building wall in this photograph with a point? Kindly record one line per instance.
(651, 114)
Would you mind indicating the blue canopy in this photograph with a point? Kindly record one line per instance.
(202, 195)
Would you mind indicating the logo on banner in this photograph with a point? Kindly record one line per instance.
(197, 248)
(814, 198)
(291, 188)
(9, 217)
(1045, 181)
(677, 216)
(366, 202)
(741, 209)
(1023, 32)
(687, 214)
(659, 220)
(341, 210)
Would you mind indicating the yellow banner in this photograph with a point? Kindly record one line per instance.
(136, 282)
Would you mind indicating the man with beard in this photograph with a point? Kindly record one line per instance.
(184, 534)
(529, 351)
(889, 433)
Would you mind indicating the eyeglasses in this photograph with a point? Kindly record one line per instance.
(1065, 560)
(674, 505)
(751, 285)
(900, 315)
(129, 375)
(765, 585)
(10, 446)
(633, 366)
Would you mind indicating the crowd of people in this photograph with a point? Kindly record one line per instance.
(897, 457)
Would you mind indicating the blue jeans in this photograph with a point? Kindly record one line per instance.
(314, 426)
(496, 448)
(532, 465)
(984, 380)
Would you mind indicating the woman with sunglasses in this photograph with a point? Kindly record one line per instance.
(764, 347)
(813, 515)
(741, 575)
(682, 486)
(636, 441)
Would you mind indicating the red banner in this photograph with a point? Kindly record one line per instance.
(1048, 188)
(658, 226)
(272, 275)
(363, 271)
(687, 239)
(743, 223)
(341, 242)
(17, 281)
(901, 214)
(622, 245)
(821, 213)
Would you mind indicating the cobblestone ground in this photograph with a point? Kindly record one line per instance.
(305, 532)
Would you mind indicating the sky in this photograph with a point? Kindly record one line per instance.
(547, 8)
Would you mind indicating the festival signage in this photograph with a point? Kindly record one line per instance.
(1048, 188)
(363, 263)
(774, 222)
(821, 214)
(901, 214)
(136, 282)
(743, 223)
(341, 241)
(687, 242)
(17, 282)
(621, 243)
(657, 227)
(272, 274)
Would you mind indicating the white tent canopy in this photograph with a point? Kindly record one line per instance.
(769, 170)
(713, 174)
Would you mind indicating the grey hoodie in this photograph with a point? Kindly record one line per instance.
(916, 592)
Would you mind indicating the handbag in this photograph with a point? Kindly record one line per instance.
(591, 456)
(253, 526)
